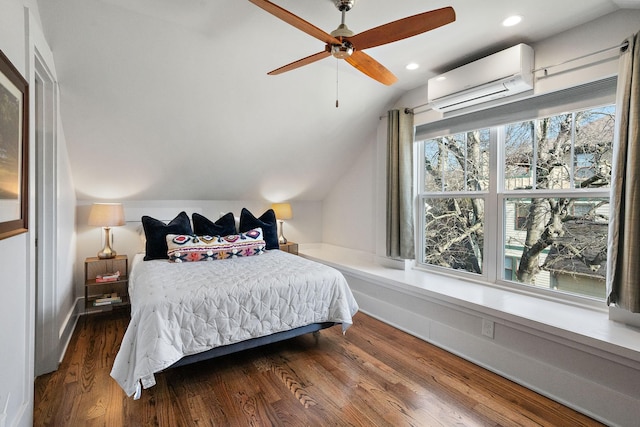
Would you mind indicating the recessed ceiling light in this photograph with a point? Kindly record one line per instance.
(412, 66)
(440, 78)
(512, 20)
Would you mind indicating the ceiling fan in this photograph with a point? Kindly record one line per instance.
(342, 43)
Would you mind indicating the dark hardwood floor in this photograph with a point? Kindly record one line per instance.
(375, 375)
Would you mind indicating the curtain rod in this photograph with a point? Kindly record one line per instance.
(623, 46)
(407, 110)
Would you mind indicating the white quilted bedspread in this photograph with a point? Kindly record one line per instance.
(180, 309)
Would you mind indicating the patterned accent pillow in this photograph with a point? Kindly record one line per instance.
(186, 248)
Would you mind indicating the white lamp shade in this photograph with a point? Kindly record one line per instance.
(106, 215)
(282, 210)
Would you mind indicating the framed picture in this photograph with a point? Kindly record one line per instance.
(14, 156)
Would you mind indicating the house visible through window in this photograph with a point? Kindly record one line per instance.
(540, 220)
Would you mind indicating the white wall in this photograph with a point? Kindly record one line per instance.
(17, 270)
(350, 210)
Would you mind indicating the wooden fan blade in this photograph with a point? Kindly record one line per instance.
(301, 62)
(371, 68)
(297, 22)
(403, 28)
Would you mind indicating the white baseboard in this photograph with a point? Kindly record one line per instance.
(69, 325)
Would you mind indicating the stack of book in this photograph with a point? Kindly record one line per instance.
(108, 277)
(107, 299)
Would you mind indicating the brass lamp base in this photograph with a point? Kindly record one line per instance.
(107, 252)
(281, 239)
(106, 255)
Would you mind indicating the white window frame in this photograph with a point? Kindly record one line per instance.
(585, 97)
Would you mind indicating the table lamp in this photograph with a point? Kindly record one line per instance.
(106, 215)
(283, 211)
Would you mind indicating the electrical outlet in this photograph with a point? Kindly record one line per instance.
(487, 328)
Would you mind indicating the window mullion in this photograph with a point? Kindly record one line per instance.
(420, 223)
(572, 164)
(534, 157)
(492, 212)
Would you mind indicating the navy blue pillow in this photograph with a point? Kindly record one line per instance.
(267, 222)
(156, 233)
(224, 226)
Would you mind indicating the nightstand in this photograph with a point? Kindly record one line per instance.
(290, 247)
(108, 293)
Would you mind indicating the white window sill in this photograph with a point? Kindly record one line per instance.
(582, 325)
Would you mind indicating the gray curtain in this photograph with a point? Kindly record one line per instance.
(400, 242)
(623, 261)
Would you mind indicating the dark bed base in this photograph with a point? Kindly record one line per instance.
(251, 343)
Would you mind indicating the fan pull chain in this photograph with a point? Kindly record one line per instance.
(337, 64)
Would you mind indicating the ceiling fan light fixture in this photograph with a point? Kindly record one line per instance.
(342, 31)
(342, 51)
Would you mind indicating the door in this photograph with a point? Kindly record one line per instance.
(46, 328)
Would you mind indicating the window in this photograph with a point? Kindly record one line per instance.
(521, 211)
(524, 203)
(510, 265)
(456, 174)
(584, 165)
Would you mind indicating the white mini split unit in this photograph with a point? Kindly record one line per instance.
(502, 74)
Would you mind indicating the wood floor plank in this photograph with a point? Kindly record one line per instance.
(344, 397)
(449, 381)
(375, 375)
(398, 367)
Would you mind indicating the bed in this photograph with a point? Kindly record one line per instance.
(185, 312)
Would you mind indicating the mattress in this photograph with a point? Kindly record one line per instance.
(179, 309)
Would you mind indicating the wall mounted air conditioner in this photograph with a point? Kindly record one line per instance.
(502, 74)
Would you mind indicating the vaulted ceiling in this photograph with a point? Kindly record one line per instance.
(170, 99)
